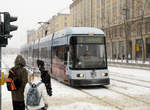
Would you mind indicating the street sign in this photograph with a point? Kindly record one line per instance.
(137, 47)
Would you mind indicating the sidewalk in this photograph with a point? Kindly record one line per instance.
(129, 65)
(6, 98)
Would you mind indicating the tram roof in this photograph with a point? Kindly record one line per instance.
(71, 31)
(78, 30)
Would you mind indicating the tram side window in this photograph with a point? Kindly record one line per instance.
(30, 52)
(53, 52)
(44, 52)
(70, 56)
(59, 52)
(49, 52)
(35, 53)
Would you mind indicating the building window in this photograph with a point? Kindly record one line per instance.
(114, 13)
(139, 10)
(149, 6)
(107, 33)
(139, 29)
(130, 50)
(139, 48)
(121, 32)
(148, 48)
(114, 32)
(147, 27)
(114, 50)
(129, 30)
(121, 4)
(121, 50)
(108, 50)
(98, 3)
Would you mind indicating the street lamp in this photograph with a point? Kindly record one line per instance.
(43, 24)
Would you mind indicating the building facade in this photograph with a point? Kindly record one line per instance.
(126, 24)
(57, 22)
(86, 13)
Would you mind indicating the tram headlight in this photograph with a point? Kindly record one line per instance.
(80, 75)
(104, 74)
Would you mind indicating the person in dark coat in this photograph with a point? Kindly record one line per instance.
(22, 75)
(46, 78)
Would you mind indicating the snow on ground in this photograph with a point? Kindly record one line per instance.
(80, 106)
(136, 76)
(135, 73)
(64, 97)
(68, 98)
(6, 95)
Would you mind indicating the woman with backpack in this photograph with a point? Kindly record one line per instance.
(35, 94)
(16, 81)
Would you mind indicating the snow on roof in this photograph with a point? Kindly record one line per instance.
(71, 31)
(78, 30)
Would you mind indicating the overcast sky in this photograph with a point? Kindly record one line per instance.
(29, 12)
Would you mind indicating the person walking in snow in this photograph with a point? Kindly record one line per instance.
(46, 78)
(22, 75)
(29, 96)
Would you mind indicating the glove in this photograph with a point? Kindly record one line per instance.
(46, 106)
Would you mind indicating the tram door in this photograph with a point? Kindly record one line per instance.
(59, 61)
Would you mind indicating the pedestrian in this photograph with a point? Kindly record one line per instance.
(46, 78)
(33, 100)
(22, 75)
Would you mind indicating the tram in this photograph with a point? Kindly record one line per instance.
(75, 56)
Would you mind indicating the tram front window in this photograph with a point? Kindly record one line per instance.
(90, 56)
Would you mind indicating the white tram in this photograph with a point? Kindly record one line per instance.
(75, 56)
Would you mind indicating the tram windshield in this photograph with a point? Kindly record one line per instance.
(88, 55)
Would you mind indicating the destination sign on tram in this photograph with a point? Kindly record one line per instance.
(95, 39)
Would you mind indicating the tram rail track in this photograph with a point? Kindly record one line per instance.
(100, 99)
(117, 106)
(132, 83)
(132, 80)
(125, 76)
(132, 97)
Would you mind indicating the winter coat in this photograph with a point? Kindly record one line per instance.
(46, 78)
(22, 75)
(42, 90)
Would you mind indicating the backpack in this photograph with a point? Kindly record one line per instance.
(33, 95)
(13, 83)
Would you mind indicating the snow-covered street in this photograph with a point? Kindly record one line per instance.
(129, 89)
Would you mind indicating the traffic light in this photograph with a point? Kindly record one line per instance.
(7, 26)
(3, 41)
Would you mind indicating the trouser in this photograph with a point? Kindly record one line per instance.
(43, 108)
(18, 105)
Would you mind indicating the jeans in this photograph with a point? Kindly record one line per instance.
(18, 105)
